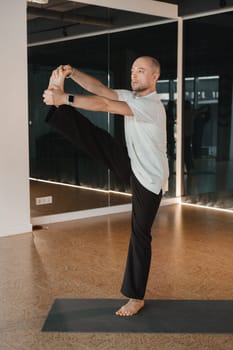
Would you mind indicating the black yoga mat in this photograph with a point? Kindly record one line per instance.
(158, 316)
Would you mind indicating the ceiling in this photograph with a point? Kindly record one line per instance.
(62, 18)
(207, 39)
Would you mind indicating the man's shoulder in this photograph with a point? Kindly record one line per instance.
(124, 94)
(153, 95)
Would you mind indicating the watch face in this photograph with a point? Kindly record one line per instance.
(71, 98)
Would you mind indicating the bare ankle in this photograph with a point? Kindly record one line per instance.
(131, 308)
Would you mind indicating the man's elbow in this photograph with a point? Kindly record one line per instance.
(99, 104)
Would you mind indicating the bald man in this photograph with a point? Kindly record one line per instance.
(143, 161)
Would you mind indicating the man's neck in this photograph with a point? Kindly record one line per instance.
(144, 92)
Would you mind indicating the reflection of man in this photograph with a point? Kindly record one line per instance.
(202, 116)
(144, 161)
(188, 132)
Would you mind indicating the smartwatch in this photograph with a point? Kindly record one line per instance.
(70, 100)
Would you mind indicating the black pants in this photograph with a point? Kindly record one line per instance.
(100, 145)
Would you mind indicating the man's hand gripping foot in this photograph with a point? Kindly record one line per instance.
(54, 95)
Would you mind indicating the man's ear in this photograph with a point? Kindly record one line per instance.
(156, 76)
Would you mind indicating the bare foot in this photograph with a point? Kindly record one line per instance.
(57, 79)
(131, 308)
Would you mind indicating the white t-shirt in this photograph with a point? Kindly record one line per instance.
(146, 139)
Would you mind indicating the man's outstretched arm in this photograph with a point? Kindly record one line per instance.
(55, 96)
(86, 81)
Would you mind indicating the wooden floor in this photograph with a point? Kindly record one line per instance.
(192, 259)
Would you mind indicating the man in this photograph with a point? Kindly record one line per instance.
(144, 161)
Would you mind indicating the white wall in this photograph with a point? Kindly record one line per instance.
(14, 163)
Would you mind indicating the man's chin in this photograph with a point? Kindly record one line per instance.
(138, 91)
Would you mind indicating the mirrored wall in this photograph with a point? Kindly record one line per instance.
(73, 179)
(208, 111)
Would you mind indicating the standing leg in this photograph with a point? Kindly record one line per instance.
(145, 206)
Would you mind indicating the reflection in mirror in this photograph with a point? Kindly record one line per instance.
(68, 19)
(108, 57)
(208, 117)
(52, 157)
